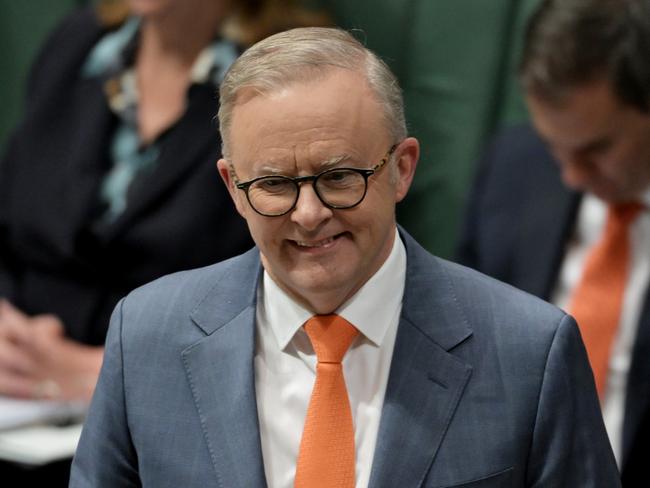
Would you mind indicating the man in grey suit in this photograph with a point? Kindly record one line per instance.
(451, 379)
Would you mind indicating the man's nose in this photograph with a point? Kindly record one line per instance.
(309, 211)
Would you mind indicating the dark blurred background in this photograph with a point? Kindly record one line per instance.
(455, 60)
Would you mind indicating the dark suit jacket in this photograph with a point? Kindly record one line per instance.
(519, 219)
(52, 257)
(488, 387)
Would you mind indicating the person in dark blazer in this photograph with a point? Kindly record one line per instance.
(107, 182)
(541, 196)
(110, 174)
(100, 191)
(445, 378)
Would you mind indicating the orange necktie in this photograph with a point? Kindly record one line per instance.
(326, 457)
(598, 299)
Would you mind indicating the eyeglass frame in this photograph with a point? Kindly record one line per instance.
(296, 180)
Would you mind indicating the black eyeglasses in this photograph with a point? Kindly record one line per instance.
(337, 188)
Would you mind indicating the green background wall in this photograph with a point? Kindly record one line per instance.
(23, 27)
(455, 60)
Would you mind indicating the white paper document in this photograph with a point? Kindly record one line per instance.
(39, 444)
(39, 432)
(17, 413)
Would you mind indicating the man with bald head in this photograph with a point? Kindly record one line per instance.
(337, 353)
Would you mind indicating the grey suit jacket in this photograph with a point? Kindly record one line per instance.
(489, 387)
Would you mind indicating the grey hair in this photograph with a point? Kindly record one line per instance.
(306, 54)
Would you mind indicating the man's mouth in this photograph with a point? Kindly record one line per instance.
(323, 243)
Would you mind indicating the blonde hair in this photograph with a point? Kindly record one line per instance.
(253, 20)
(249, 21)
(112, 13)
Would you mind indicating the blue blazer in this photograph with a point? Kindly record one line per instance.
(488, 387)
(519, 220)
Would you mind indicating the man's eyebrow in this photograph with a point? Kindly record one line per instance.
(333, 161)
(267, 169)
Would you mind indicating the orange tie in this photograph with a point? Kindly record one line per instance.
(326, 457)
(598, 299)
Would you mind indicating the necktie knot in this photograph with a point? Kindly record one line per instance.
(331, 336)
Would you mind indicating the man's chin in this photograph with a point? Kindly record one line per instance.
(316, 285)
(323, 288)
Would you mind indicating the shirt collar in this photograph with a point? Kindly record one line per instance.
(108, 55)
(369, 310)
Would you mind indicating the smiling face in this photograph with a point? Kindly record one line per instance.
(602, 145)
(318, 255)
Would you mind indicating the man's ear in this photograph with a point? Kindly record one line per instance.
(226, 173)
(407, 154)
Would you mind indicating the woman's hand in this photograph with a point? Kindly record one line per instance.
(38, 361)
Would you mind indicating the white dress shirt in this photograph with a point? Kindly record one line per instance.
(590, 225)
(285, 367)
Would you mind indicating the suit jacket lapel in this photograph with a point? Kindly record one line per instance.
(426, 382)
(550, 214)
(87, 120)
(182, 149)
(220, 371)
(65, 128)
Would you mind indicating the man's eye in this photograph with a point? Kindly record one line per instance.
(274, 185)
(338, 177)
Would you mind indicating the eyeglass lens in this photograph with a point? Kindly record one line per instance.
(276, 195)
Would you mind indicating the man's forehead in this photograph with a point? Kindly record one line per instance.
(313, 79)
(576, 120)
(312, 113)
(331, 88)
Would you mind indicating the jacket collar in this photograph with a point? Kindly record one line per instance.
(426, 380)
(423, 373)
